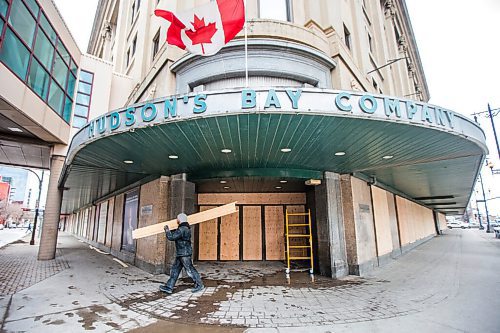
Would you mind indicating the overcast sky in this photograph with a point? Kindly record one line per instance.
(459, 45)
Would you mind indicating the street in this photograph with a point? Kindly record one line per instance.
(8, 236)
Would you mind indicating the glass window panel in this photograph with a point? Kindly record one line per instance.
(276, 9)
(14, 54)
(86, 76)
(71, 85)
(68, 103)
(44, 50)
(33, 6)
(63, 52)
(3, 7)
(38, 79)
(1, 26)
(74, 68)
(60, 71)
(84, 87)
(79, 122)
(83, 99)
(56, 97)
(22, 22)
(82, 111)
(48, 28)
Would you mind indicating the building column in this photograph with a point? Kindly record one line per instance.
(329, 218)
(182, 199)
(48, 241)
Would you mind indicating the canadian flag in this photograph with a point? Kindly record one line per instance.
(204, 30)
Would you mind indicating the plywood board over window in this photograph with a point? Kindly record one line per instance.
(252, 233)
(275, 241)
(230, 237)
(207, 241)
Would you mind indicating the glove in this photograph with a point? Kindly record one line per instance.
(166, 228)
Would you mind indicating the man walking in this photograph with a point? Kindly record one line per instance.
(184, 251)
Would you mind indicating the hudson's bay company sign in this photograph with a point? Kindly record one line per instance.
(304, 101)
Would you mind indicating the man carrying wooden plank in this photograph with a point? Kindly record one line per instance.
(184, 252)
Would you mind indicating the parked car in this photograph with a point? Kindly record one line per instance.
(474, 225)
(454, 224)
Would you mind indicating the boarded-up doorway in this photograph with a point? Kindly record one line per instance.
(256, 232)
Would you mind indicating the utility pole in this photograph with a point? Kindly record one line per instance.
(494, 130)
(37, 206)
(488, 230)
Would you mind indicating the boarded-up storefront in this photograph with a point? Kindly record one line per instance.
(256, 232)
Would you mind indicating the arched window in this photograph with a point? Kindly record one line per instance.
(275, 9)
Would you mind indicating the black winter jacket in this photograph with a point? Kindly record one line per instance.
(182, 238)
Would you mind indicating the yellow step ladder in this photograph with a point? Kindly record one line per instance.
(307, 234)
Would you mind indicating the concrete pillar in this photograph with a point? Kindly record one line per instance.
(329, 219)
(48, 241)
(182, 199)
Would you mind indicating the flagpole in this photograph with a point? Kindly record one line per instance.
(246, 45)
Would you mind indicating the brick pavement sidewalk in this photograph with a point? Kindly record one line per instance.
(20, 269)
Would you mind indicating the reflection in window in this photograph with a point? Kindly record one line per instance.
(38, 79)
(56, 96)
(23, 23)
(14, 54)
(44, 50)
(60, 71)
(276, 10)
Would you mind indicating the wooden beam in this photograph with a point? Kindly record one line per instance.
(192, 219)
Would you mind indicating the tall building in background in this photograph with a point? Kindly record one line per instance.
(335, 97)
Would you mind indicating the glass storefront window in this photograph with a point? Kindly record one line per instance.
(56, 96)
(81, 110)
(44, 51)
(33, 6)
(84, 87)
(83, 99)
(38, 79)
(14, 54)
(48, 28)
(67, 109)
(60, 71)
(4, 5)
(23, 23)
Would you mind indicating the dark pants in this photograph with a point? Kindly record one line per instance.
(190, 270)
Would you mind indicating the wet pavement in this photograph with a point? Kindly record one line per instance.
(429, 289)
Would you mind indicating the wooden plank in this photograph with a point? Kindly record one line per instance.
(230, 237)
(252, 233)
(192, 219)
(275, 235)
(207, 241)
(252, 198)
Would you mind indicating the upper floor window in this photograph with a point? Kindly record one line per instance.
(32, 50)
(276, 10)
(347, 38)
(83, 99)
(156, 43)
(135, 9)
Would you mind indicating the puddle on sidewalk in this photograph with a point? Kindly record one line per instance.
(166, 326)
